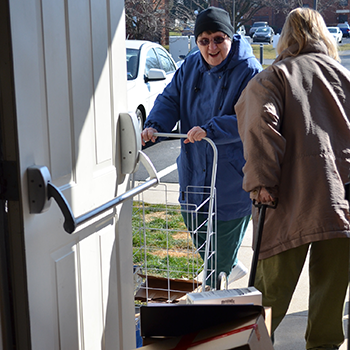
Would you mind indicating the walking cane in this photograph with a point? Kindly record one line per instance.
(262, 210)
(347, 197)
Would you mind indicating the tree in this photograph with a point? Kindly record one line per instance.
(244, 9)
(286, 6)
(152, 19)
(145, 19)
(185, 10)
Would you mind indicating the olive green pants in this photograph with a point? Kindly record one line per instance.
(277, 277)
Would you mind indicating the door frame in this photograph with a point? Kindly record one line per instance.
(14, 305)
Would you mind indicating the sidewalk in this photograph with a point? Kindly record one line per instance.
(290, 334)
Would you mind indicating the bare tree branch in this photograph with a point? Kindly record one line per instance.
(146, 19)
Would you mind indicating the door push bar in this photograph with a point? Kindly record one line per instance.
(41, 189)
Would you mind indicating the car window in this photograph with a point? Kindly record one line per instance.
(263, 29)
(151, 61)
(332, 30)
(165, 61)
(132, 59)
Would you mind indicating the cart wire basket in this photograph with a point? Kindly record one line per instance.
(170, 260)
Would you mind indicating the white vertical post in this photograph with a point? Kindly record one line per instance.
(233, 14)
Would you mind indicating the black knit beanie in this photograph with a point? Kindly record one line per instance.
(213, 19)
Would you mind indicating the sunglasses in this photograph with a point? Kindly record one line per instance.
(217, 40)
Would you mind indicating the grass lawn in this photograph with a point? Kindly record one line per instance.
(161, 242)
(270, 53)
(344, 47)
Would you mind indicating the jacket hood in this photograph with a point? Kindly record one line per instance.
(316, 47)
(240, 51)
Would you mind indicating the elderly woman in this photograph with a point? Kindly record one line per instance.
(202, 96)
(294, 124)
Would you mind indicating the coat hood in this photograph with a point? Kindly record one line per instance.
(291, 51)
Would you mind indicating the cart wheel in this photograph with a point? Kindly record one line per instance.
(222, 281)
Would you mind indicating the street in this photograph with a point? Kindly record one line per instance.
(163, 154)
(345, 55)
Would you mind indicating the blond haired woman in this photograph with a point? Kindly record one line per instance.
(293, 121)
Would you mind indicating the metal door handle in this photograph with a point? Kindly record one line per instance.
(41, 190)
(128, 147)
(69, 219)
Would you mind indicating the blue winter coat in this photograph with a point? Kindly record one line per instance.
(199, 96)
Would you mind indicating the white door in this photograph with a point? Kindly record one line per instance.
(69, 88)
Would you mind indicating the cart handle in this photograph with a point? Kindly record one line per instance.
(215, 151)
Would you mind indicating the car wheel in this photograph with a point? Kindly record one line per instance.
(140, 118)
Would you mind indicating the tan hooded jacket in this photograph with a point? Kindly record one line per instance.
(293, 121)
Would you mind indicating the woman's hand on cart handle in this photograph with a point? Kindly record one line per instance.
(195, 134)
(147, 135)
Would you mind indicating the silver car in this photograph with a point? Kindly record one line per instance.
(264, 34)
(257, 25)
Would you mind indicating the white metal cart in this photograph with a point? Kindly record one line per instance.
(168, 260)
